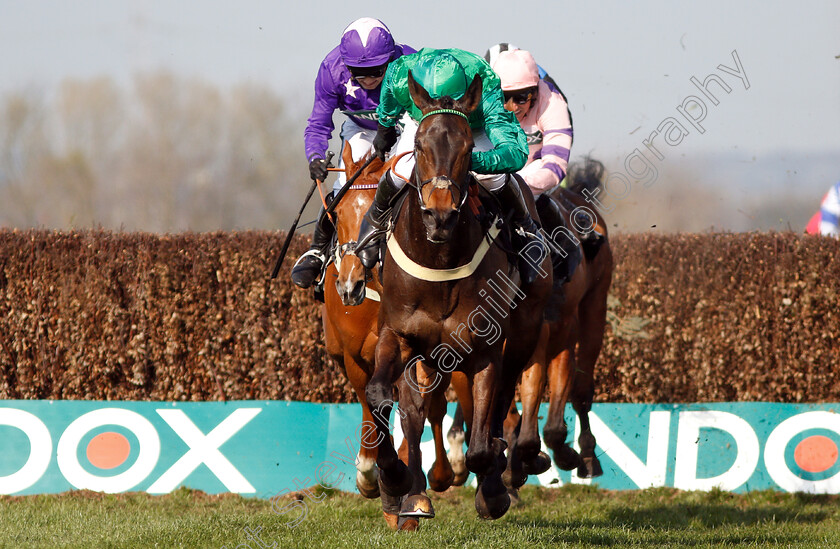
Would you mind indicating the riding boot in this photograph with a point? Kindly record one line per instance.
(532, 249)
(565, 252)
(310, 265)
(592, 239)
(375, 221)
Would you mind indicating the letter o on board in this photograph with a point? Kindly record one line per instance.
(40, 450)
(774, 452)
(147, 459)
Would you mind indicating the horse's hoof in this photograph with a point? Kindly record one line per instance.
(438, 485)
(491, 506)
(366, 488)
(397, 483)
(418, 506)
(514, 479)
(590, 468)
(538, 465)
(408, 524)
(566, 458)
(513, 493)
(456, 459)
(528, 448)
(461, 478)
(369, 493)
(459, 470)
(391, 520)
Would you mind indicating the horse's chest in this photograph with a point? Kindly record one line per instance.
(466, 326)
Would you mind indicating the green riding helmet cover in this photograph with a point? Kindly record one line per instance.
(440, 76)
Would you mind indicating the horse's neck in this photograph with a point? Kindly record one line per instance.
(410, 232)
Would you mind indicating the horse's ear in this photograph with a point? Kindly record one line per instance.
(418, 93)
(469, 102)
(347, 157)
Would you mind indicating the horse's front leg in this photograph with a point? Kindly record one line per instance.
(456, 436)
(534, 462)
(394, 477)
(561, 378)
(441, 476)
(416, 503)
(485, 456)
(582, 396)
(367, 475)
(513, 477)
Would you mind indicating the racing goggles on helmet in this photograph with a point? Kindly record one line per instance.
(368, 72)
(520, 97)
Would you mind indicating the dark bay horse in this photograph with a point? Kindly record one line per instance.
(350, 315)
(576, 318)
(445, 304)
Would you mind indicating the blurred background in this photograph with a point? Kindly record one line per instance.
(159, 116)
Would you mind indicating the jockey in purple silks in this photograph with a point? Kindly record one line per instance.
(349, 80)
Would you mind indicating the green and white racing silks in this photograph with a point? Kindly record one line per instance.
(502, 128)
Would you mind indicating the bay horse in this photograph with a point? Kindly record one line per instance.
(350, 332)
(576, 319)
(350, 315)
(437, 307)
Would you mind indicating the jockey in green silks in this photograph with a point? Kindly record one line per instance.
(500, 145)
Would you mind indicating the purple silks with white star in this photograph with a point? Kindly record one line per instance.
(336, 89)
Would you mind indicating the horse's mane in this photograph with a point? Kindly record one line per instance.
(585, 174)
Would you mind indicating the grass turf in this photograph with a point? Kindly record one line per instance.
(571, 516)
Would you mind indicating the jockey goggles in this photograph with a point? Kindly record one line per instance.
(520, 97)
(368, 72)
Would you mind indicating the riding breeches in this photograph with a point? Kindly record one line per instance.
(361, 143)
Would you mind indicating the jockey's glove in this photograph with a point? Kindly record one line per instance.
(318, 169)
(384, 140)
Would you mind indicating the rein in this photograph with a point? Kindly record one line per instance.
(350, 249)
(428, 274)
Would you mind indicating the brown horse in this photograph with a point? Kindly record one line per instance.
(437, 307)
(575, 318)
(350, 332)
(350, 313)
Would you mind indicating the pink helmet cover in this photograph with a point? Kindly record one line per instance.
(517, 70)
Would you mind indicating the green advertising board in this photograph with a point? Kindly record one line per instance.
(262, 448)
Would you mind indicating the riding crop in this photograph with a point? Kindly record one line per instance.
(327, 211)
(291, 233)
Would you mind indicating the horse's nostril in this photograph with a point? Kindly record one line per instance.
(359, 288)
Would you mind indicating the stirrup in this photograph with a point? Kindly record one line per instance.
(305, 276)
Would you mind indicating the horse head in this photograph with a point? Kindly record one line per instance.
(442, 149)
(352, 279)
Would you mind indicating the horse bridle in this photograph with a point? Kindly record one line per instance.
(449, 183)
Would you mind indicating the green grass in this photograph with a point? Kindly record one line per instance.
(571, 516)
